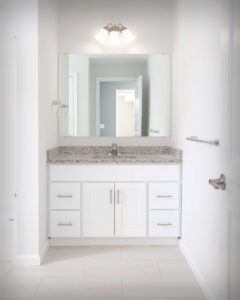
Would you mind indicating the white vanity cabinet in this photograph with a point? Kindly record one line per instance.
(114, 201)
(114, 209)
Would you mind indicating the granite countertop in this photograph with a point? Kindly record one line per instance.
(128, 155)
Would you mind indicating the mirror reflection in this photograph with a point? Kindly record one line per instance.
(114, 95)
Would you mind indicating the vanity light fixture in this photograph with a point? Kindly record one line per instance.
(113, 34)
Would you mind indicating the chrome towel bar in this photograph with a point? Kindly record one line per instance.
(196, 139)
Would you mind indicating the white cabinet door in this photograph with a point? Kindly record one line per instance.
(98, 209)
(130, 209)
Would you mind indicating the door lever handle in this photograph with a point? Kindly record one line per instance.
(219, 183)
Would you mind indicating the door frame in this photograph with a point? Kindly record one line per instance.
(98, 81)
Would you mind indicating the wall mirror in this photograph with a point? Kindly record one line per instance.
(114, 95)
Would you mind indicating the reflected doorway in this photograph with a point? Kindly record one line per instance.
(119, 107)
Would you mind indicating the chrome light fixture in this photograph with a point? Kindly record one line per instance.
(113, 34)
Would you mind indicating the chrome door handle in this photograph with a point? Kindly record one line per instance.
(64, 196)
(219, 183)
(164, 196)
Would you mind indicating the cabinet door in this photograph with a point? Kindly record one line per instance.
(98, 209)
(130, 209)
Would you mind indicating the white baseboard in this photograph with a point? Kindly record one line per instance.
(32, 260)
(196, 272)
(27, 260)
(112, 241)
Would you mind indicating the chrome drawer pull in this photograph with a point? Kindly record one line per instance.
(64, 224)
(164, 196)
(164, 224)
(64, 196)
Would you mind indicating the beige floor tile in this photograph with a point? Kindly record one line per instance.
(57, 270)
(102, 270)
(174, 269)
(160, 288)
(73, 288)
(18, 288)
(134, 253)
(185, 298)
(123, 269)
(167, 253)
(88, 254)
(148, 269)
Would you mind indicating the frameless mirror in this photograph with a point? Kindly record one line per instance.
(114, 95)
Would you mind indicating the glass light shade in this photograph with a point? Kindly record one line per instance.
(114, 38)
(102, 35)
(128, 37)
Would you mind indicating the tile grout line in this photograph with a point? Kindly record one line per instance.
(37, 289)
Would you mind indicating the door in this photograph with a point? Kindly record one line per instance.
(125, 113)
(130, 209)
(233, 167)
(98, 210)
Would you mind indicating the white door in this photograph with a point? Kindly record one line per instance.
(233, 168)
(98, 210)
(130, 209)
(8, 131)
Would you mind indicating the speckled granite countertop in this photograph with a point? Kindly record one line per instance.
(128, 155)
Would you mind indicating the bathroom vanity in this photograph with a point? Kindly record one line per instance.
(97, 197)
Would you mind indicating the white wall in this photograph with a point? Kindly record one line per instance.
(8, 130)
(48, 82)
(151, 21)
(27, 91)
(200, 107)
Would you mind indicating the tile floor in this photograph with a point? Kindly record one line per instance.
(101, 272)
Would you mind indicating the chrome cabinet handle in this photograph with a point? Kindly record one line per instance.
(164, 224)
(164, 196)
(64, 224)
(110, 196)
(64, 196)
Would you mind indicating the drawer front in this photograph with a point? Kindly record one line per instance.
(164, 223)
(65, 196)
(164, 195)
(64, 224)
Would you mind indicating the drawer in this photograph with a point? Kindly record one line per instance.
(65, 196)
(64, 224)
(164, 223)
(164, 195)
